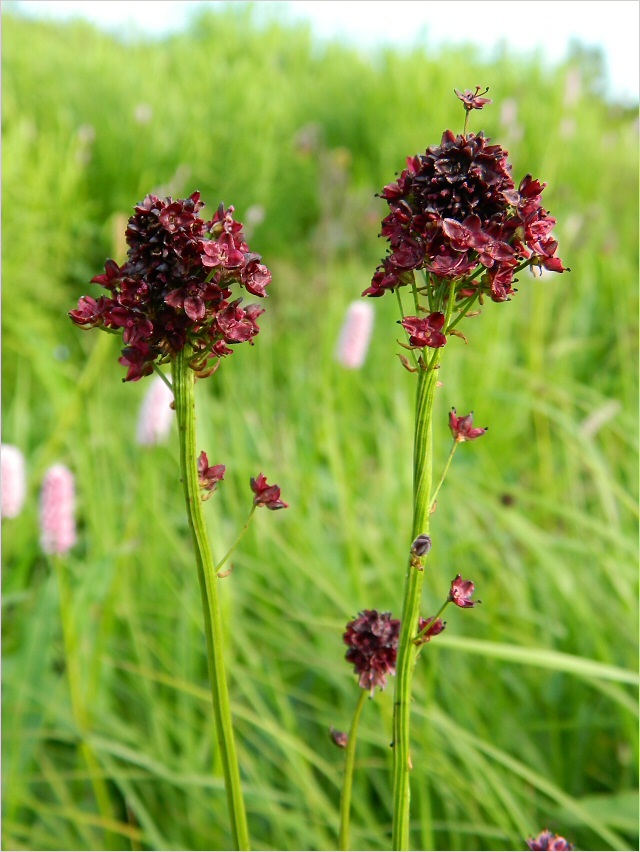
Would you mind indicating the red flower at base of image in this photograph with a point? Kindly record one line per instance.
(372, 638)
(176, 286)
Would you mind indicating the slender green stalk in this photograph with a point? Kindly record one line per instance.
(237, 541)
(407, 651)
(78, 706)
(183, 388)
(349, 760)
(432, 499)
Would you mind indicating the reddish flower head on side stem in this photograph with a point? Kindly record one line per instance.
(372, 638)
(548, 841)
(462, 428)
(461, 591)
(265, 494)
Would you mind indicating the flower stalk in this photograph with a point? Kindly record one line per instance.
(183, 388)
(347, 786)
(407, 651)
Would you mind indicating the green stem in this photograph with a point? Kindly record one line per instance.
(183, 388)
(422, 476)
(349, 760)
(432, 499)
(407, 651)
(237, 541)
(78, 707)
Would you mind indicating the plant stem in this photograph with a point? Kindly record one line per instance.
(237, 541)
(183, 388)
(407, 651)
(433, 497)
(349, 759)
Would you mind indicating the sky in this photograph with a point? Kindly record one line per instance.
(547, 25)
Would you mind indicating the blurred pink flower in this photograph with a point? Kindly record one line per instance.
(355, 335)
(156, 414)
(57, 510)
(14, 485)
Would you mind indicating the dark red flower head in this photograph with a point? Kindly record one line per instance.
(373, 642)
(461, 591)
(176, 285)
(265, 494)
(546, 840)
(462, 428)
(455, 210)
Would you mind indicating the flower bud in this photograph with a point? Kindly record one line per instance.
(422, 545)
(339, 738)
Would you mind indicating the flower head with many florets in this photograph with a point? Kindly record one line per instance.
(177, 287)
(456, 214)
(372, 638)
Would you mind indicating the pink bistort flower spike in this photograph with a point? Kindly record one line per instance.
(156, 414)
(57, 511)
(546, 840)
(14, 483)
(355, 335)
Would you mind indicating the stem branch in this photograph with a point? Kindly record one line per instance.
(349, 760)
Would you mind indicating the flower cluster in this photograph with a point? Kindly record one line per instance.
(373, 642)
(548, 841)
(455, 213)
(176, 286)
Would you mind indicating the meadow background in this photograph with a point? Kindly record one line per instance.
(525, 711)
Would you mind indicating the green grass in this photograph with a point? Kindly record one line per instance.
(525, 708)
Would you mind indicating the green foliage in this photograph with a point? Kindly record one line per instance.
(525, 714)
